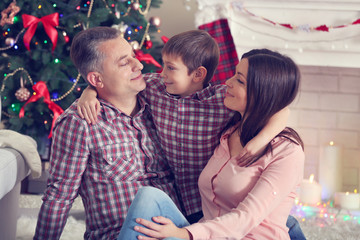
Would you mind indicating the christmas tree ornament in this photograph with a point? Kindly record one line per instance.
(135, 45)
(121, 27)
(135, 6)
(9, 41)
(43, 26)
(49, 22)
(66, 37)
(155, 21)
(148, 44)
(42, 91)
(22, 94)
(8, 14)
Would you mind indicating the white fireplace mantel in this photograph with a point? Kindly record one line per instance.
(337, 48)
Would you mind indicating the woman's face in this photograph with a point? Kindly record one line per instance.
(235, 98)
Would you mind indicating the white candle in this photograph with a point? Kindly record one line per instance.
(347, 200)
(330, 169)
(310, 191)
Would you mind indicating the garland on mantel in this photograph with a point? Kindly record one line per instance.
(305, 27)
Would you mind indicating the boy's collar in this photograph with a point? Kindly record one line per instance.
(195, 95)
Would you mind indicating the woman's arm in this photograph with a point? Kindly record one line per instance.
(278, 179)
(256, 146)
(88, 105)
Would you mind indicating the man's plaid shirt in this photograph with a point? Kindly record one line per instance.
(106, 164)
(189, 129)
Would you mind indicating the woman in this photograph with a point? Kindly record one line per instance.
(239, 201)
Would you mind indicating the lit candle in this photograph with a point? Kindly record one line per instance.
(310, 191)
(347, 200)
(330, 171)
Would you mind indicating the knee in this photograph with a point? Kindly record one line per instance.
(148, 192)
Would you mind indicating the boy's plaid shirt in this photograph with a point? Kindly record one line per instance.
(189, 129)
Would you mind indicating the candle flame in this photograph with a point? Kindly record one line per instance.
(311, 178)
(355, 190)
(347, 193)
(331, 143)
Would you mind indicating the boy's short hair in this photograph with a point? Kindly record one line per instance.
(84, 51)
(196, 48)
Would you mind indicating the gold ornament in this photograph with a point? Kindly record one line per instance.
(22, 94)
(9, 41)
(135, 45)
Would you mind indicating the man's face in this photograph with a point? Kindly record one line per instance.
(121, 71)
(176, 77)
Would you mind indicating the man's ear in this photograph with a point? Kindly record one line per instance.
(200, 74)
(95, 79)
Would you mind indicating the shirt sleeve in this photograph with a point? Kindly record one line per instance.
(279, 178)
(68, 161)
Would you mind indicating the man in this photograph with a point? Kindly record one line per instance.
(108, 162)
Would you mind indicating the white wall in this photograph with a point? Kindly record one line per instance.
(328, 109)
(176, 16)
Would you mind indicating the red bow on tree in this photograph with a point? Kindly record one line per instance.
(49, 22)
(164, 39)
(146, 57)
(41, 90)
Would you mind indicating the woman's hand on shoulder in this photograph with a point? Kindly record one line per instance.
(88, 106)
(251, 151)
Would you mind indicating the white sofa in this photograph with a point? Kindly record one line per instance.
(18, 158)
(13, 169)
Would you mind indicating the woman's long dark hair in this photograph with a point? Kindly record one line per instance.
(272, 83)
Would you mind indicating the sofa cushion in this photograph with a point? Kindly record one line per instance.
(13, 169)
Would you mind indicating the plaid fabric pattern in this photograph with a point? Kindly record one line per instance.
(189, 130)
(220, 31)
(105, 164)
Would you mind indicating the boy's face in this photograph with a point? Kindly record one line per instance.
(176, 77)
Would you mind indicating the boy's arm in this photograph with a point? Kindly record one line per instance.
(88, 105)
(275, 125)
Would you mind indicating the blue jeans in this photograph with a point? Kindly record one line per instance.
(295, 231)
(150, 202)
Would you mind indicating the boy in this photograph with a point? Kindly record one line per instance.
(189, 114)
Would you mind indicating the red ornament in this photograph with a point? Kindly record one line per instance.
(148, 44)
(287, 25)
(323, 28)
(356, 22)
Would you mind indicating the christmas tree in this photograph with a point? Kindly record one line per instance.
(38, 79)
